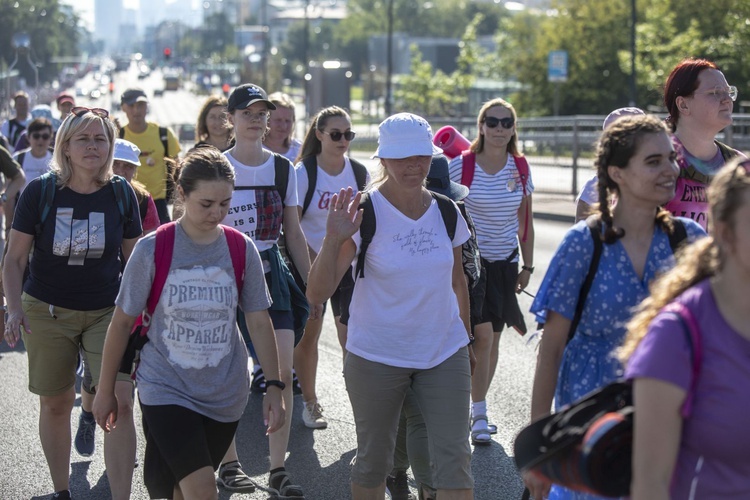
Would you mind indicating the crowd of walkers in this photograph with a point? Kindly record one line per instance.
(421, 261)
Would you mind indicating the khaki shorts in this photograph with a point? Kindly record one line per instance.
(54, 343)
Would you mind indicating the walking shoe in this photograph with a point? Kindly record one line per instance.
(62, 495)
(296, 389)
(233, 478)
(259, 381)
(397, 487)
(281, 486)
(312, 416)
(85, 441)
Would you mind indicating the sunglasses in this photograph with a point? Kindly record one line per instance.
(336, 136)
(493, 122)
(43, 137)
(82, 110)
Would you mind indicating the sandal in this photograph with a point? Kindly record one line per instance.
(492, 428)
(233, 478)
(481, 436)
(286, 489)
(259, 382)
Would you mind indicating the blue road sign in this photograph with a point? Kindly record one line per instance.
(558, 66)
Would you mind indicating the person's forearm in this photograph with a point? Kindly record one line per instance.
(297, 246)
(12, 284)
(115, 344)
(545, 379)
(527, 247)
(264, 341)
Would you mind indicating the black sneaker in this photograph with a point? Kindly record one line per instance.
(296, 389)
(62, 495)
(85, 441)
(259, 382)
(397, 487)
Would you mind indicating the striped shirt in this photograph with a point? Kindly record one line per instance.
(493, 203)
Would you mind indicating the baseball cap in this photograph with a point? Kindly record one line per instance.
(403, 135)
(133, 95)
(127, 151)
(621, 113)
(439, 181)
(62, 98)
(246, 95)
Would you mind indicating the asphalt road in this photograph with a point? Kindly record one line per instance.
(318, 460)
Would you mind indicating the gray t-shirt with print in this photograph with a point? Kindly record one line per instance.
(195, 356)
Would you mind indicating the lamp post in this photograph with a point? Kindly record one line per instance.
(633, 19)
(22, 43)
(389, 61)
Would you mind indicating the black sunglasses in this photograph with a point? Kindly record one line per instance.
(336, 136)
(44, 137)
(82, 110)
(493, 122)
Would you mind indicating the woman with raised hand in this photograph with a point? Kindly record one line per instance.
(324, 155)
(77, 237)
(703, 454)
(280, 136)
(213, 128)
(265, 198)
(636, 162)
(700, 102)
(409, 314)
(188, 423)
(499, 202)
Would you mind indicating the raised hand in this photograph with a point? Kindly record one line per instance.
(344, 216)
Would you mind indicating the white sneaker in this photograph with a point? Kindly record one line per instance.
(312, 416)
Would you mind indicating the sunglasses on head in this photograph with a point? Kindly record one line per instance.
(82, 110)
(37, 135)
(336, 136)
(493, 122)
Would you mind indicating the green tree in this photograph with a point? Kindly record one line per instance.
(53, 29)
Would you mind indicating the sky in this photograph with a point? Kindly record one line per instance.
(86, 9)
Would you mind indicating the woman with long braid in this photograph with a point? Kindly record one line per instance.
(636, 162)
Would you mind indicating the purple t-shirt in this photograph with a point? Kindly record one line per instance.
(713, 460)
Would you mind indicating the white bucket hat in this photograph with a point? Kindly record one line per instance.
(127, 151)
(403, 135)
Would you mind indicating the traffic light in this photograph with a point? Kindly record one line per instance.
(167, 53)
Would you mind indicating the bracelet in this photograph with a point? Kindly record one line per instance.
(278, 383)
(471, 339)
(530, 269)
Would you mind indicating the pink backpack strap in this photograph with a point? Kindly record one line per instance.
(163, 251)
(468, 162)
(237, 251)
(523, 171)
(690, 325)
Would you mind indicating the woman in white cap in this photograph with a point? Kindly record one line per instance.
(409, 314)
(265, 197)
(127, 160)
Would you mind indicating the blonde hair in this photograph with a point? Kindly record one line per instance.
(477, 146)
(726, 195)
(72, 125)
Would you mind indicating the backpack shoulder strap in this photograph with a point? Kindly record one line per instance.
(690, 325)
(366, 233)
(49, 187)
(593, 223)
(468, 162)
(523, 171)
(164, 138)
(726, 152)
(281, 174)
(360, 174)
(237, 248)
(121, 133)
(311, 167)
(448, 213)
(163, 251)
(20, 157)
(678, 236)
(122, 196)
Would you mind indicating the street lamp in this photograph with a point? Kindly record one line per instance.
(389, 61)
(22, 43)
(633, 20)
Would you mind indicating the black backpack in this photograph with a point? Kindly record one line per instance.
(311, 167)
(280, 181)
(367, 231)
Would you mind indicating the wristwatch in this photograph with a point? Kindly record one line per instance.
(530, 269)
(278, 383)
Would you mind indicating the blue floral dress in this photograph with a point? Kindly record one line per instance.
(589, 360)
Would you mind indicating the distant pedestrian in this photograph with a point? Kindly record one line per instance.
(188, 423)
(65, 102)
(67, 301)
(213, 127)
(409, 315)
(702, 454)
(156, 143)
(280, 136)
(11, 129)
(37, 159)
(635, 161)
(499, 202)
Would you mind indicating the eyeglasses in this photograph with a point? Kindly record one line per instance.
(336, 135)
(38, 136)
(721, 93)
(493, 122)
(82, 110)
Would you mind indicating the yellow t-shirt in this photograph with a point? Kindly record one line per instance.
(153, 171)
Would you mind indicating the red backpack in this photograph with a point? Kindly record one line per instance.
(469, 161)
(164, 248)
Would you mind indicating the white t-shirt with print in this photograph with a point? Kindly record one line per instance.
(314, 220)
(403, 311)
(493, 203)
(243, 210)
(35, 167)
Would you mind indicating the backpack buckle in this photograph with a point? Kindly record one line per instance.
(146, 319)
